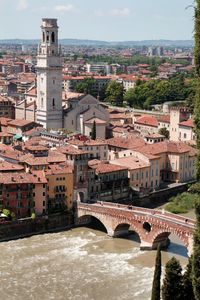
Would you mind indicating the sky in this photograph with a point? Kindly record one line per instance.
(108, 20)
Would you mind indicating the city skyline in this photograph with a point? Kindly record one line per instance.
(146, 20)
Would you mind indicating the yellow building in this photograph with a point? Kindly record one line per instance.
(59, 187)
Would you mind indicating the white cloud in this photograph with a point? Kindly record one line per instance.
(115, 12)
(22, 5)
(64, 8)
(120, 12)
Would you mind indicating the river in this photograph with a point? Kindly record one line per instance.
(79, 264)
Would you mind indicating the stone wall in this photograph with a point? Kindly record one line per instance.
(27, 227)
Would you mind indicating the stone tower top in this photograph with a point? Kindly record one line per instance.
(49, 23)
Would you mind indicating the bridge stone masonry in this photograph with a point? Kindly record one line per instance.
(152, 226)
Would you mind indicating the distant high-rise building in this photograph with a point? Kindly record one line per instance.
(49, 77)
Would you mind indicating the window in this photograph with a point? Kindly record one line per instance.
(53, 37)
(53, 103)
(43, 193)
(185, 135)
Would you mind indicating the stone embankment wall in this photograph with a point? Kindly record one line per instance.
(28, 227)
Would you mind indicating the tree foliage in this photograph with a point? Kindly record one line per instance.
(187, 282)
(86, 86)
(115, 93)
(173, 282)
(93, 132)
(155, 295)
(154, 92)
(196, 255)
(164, 131)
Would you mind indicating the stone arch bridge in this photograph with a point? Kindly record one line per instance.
(152, 226)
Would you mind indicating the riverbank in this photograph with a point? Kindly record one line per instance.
(28, 227)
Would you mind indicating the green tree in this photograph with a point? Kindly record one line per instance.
(196, 255)
(164, 131)
(197, 97)
(155, 295)
(173, 282)
(187, 282)
(115, 93)
(93, 132)
(86, 86)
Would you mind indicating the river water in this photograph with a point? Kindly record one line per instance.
(79, 264)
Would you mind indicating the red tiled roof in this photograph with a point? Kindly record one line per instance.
(168, 147)
(164, 119)
(58, 169)
(20, 178)
(130, 142)
(147, 120)
(131, 163)
(188, 123)
(36, 161)
(20, 123)
(6, 166)
(107, 168)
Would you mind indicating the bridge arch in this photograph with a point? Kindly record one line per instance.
(89, 219)
(162, 237)
(122, 229)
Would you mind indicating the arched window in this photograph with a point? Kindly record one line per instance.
(53, 103)
(43, 37)
(42, 102)
(53, 37)
(47, 36)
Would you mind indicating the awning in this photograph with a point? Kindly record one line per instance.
(17, 136)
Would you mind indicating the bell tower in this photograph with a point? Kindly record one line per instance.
(49, 77)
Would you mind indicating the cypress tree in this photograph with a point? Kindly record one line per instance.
(93, 133)
(172, 288)
(155, 294)
(187, 282)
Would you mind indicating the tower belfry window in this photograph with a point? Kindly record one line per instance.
(43, 37)
(47, 36)
(53, 37)
(53, 103)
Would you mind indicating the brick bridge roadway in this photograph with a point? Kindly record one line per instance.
(152, 226)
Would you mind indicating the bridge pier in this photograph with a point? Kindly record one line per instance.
(164, 243)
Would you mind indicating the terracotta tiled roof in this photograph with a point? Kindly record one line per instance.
(6, 166)
(129, 142)
(147, 120)
(4, 121)
(131, 163)
(107, 168)
(168, 147)
(20, 123)
(20, 178)
(71, 150)
(58, 169)
(88, 142)
(188, 123)
(164, 119)
(36, 161)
